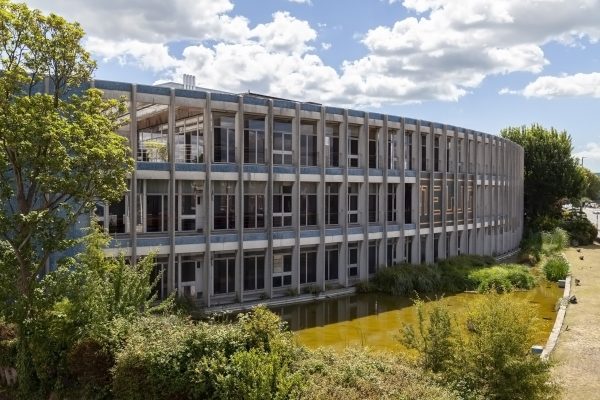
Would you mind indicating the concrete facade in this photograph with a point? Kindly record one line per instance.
(246, 197)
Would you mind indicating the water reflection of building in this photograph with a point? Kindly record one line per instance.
(247, 197)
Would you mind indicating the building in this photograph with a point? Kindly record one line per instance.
(247, 197)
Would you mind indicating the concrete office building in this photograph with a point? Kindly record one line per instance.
(246, 197)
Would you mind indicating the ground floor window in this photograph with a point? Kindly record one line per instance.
(331, 263)
(159, 276)
(224, 274)
(373, 257)
(352, 259)
(308, 266)
(392, 246)
(282, 268)
(254, 271)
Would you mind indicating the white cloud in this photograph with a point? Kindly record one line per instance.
(590, 151)
(565, 86)
(444, 54)
(309, 2)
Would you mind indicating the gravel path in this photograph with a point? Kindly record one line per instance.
(578, 349)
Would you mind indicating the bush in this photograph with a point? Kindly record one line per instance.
(490, 357)
(580, 229)
(503, 278)
(556, 268)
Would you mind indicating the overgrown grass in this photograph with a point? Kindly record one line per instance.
(538, 244)
(502, 278)
(556, 268)
(456, 274)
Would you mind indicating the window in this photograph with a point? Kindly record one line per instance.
(224, 274)
(153, 132)
(254, 140)
(392, 204)
(373, 202)
(157, 205)
(308, 204)
(224, 205)
(118, 216)
(424, 160)
(282, 204)
(460, 155)
(392, 149)
(224, 138)
(353, 203)
(423, 249)
(408, 249)
(449, 164)
(392, 256)
(332, 144)
(436, 247)
(254, 205)
(308, 266)
(254, 271)
(332, 191)
(308, 144)
(189, 274)
(282, 142)
(408, 150)
(188, 205)
(408, 203)
(353, 259)
(353, 135)
(436, 154)
(189, 142)
(373, 257)
(331, 262)
(424, 200)
(373, 133)
(471, 151)
(282, 268)
(448, 244)
(159, 277)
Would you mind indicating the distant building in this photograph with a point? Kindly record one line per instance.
(247, 197)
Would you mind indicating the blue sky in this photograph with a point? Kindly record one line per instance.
(480, 64)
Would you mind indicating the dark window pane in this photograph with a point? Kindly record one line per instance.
(188, 271)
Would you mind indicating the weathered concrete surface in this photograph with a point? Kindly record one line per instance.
(558, 323)
(578, 350)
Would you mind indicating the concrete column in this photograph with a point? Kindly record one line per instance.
(363, 204)
(239, 201)
(321, 201)
(134, 191)
(269, 202)
(343, 256)
(386, 159)
(296, 202)
(208, 202)
(171, 281)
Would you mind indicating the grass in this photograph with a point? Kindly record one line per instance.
(502, 278)
(556, 268)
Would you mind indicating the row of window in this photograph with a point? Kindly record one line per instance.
(152, 142)
(153, 205)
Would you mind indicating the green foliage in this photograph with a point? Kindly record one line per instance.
(503, 278)
(170, 357)
(433, 341)
(551, 173)
(453, 275)
(490, 357)
(547, 243)
(579, 227)
(357, 374)
(593, 184)
(556, 268)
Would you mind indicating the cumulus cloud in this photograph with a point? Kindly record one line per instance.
(309, 2)
(590, 151)
(444, 54)
(565, 86)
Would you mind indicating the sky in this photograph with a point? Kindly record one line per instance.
(479, 64)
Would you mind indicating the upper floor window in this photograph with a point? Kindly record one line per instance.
(282, 204)
(424, 159)
(153, 132)
(254, 140)
(373, 136)
(189, 140)
(332, 204)
(308, 144)
(282, 142)
(392, 204)
(353, 141)
(353, 203)
(224, 138)
(408, 164)
(332, 144)
(254, 205)
(436, 153)
(224, 205)
(392, 149)
(308, 204)
(373, 202)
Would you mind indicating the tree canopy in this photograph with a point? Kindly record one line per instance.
(551, 173)
(59, 152)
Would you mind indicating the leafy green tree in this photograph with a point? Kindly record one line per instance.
(551, 173)
(59, 152)
(593, 184)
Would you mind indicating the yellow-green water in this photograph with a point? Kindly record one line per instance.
(375, 320)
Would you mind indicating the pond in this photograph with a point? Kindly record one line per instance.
(375, 320)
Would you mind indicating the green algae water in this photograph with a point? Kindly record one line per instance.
(375, 320)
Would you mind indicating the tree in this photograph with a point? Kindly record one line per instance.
(59, 152)
(551, 173)
(592, 180)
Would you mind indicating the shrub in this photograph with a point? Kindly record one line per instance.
(556, 268)
(580, 229)
(490, 357)
(503, 278)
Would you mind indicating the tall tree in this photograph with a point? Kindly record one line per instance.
(592, 180)
(59, 152)
(551, 173)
